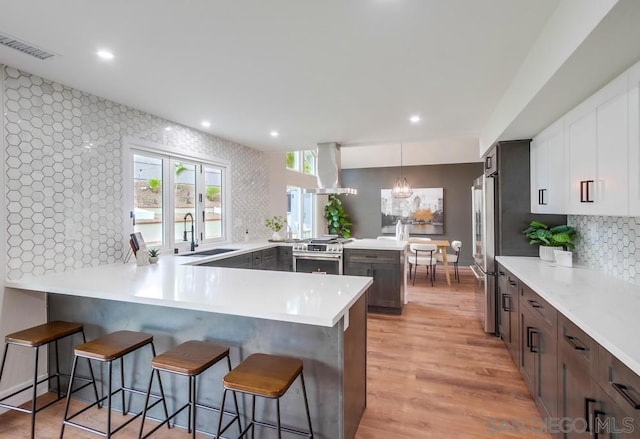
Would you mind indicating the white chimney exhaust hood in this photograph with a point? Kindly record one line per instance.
(329, 171)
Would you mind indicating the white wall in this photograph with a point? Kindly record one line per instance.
(567, 29)
(432, 152)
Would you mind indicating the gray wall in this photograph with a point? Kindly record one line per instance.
(455, 179)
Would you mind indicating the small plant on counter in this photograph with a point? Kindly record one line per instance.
(337, 219)
(275, 223)
(154, 254)
(558, 236)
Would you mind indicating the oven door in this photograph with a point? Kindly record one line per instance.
(317, 264)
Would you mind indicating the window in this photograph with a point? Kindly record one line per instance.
(299, 212)
(302, 161)
(173, 197)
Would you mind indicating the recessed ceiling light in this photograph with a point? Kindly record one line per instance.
(414, 119)
(274, 133)
(105, 54)
(206, 123)
(168, 128)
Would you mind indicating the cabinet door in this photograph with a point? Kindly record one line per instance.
(575, 353)
(270, 259)
(608, 420)
(285, 258)
(528, 349)
(634, 140)
(611, 196)
(582, 157)
(386, 278)
(539, 173)
(546, 372)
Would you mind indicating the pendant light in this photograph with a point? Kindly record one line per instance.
(401, 189)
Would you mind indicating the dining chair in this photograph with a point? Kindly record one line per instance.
(424, 254)
(411, 254)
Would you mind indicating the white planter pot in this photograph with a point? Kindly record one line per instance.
(546, 253)
(276, 236)
(153, 259)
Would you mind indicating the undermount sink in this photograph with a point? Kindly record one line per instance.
(213, 251)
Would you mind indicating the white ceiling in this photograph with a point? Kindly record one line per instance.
(350, 71)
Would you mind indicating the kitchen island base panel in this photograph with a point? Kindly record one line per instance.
(334, 358)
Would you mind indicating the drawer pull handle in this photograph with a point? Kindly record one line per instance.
(623, 391)
(574, 345)
(587, 411)
(534, 304)
(506, 302)
(530, 333)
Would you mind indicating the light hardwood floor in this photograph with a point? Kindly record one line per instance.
(433, 373)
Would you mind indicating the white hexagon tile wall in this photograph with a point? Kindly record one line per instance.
(608, 244)
(64, 201)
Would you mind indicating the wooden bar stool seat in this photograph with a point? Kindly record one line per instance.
(35, 338)
(107, 349)
(190, 359)
(267, 376)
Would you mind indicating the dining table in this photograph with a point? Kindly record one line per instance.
(442, 245)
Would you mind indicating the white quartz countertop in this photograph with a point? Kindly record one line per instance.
(313, 299)
(604, 307)
(376, 244)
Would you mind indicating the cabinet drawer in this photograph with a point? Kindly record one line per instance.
(620, 382)
(575, 341)
(534, 302)
(373, 256)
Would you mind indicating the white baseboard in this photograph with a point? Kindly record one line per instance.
(25, 396)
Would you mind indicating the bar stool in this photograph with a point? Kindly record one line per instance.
(36, 337)
(107, 349)
(190, 359)
(267, 376)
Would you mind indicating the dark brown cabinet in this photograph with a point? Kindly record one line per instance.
(285, 258)
(240, 261)
(386, 267)
(508, 299)
(538, 353)
(577, 353)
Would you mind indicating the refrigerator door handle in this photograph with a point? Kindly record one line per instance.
(475, 272)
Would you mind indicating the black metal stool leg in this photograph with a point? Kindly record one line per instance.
(66, 407)
(109, 377)
(235, 399)
(164, 401)
(124, 408)
(35, 392)
(93, 377)
(278, 418)
(253, 416)
(192, 410)
(58, 370)
(224, 395)
(306, 403)
(146, 404)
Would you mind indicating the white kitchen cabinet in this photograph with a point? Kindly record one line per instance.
(634, 140)
(598, 152)
(549, 183)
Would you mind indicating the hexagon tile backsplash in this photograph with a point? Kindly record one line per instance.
(64, 200)
(608, 244)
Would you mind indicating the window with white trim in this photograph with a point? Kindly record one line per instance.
(302, 161)
(300, 212)
(167, 190)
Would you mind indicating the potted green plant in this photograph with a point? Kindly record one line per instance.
(550, 238)
(275, 223)
(337, 219)
(154, 254)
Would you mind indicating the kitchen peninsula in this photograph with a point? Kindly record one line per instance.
(319, 319)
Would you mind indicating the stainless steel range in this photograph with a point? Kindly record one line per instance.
(319, 255)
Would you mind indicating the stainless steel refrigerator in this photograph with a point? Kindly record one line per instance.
(501, 211)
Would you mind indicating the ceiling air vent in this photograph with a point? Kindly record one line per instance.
(24, 47)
